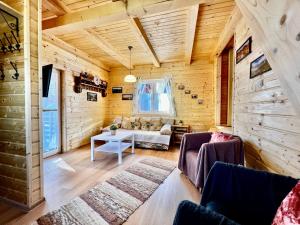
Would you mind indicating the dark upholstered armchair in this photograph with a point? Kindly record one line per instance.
(235, 195)
(197, 155)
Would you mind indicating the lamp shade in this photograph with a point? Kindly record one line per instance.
(130, 79)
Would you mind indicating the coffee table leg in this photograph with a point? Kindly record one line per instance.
(132, 146)
(92, 149)
(120, 154)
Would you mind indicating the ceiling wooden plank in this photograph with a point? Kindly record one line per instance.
(141, 35)
(112, 12)
(71, 49)
(107, 47)
(191, 31)
(54, 7)
(275, 26)
(227, 32)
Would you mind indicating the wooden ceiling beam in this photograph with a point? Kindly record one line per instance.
(190, 33)
(54, 7)
(112, 12)
(141, 35)
(227, 32)
(275, 26)
(71, 49)
(107, 47)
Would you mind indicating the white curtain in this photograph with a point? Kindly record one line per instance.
(169, 91)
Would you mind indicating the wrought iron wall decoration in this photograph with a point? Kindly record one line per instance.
(2, 75)
(14, 65)
(91, 83)
(10, 41)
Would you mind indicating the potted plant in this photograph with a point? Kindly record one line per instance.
(113, 129)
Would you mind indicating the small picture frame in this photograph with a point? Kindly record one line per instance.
(244, 50)
(117, 90)
(194, 96)
(181, 87)
(127, 97)
(92, 97)
(187, 92)
(200, 101)
(259, 66)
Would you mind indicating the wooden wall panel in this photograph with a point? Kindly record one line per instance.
(13, 178)
(197, 77)
(264, 117)
(81, 118)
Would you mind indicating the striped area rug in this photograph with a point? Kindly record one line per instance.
(114, 200)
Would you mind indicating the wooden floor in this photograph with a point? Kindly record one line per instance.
(70, 174)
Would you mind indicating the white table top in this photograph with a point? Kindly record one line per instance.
(120, 136)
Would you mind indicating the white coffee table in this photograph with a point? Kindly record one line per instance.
(114, 143)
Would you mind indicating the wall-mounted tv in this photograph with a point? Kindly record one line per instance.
(47, 71)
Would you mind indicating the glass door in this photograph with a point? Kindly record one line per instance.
(51, 117)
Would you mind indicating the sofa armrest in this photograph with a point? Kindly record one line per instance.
(192, 214)
(193, 141)
(166, 129)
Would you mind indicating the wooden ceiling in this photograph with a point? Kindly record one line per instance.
(159, 31)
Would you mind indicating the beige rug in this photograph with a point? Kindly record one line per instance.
(113, 201)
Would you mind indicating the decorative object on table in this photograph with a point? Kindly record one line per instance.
(200, 101)
(181, 87)
(178, 132)
(121, 195)
(127, 96)
(244, 50)
(116, 90)
(130, 78)
(113, 129)
(90, 82)
(187, 92)
(259, 66)
(180, 122)
(194, 96)
(92, 96)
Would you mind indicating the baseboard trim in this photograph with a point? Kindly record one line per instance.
(20, 206)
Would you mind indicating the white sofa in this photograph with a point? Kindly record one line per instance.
(153, 138)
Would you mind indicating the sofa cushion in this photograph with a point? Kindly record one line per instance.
(166, 129)
(135, 123)
(220, 137)
(126, 123)
(155, 124)
(288, 212)
(145, 123)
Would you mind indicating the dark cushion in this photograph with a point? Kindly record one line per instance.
(218, 207)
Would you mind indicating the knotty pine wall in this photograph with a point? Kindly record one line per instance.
(263, 116)
(81, 119)
(194, 77)
(13, 175)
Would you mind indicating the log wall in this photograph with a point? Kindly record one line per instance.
(197, 77)
(13, 171)
(264, 116)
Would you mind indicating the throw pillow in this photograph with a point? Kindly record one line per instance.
(155, 124)
(126, 124)
(135, 123)
(166, 130)
(288, 212)
(145, 123)
(220, 137)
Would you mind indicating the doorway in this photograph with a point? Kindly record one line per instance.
(52, 117)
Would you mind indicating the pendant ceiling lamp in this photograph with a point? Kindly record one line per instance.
(130, 78)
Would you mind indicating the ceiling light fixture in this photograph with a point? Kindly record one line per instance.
(130, 78)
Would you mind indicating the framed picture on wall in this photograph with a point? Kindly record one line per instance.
(92, 96)
(244, 50)
(116, 90)
(259, 66)
(127, 96)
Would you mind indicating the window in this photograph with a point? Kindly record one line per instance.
(154, 97)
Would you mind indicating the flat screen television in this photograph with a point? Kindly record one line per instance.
(47, 71)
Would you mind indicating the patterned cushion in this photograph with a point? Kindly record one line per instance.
(166, 129)
(135, 123)
(155, 124)
(220, 137)
(288, 212)
(145, 123)
(126, 123)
